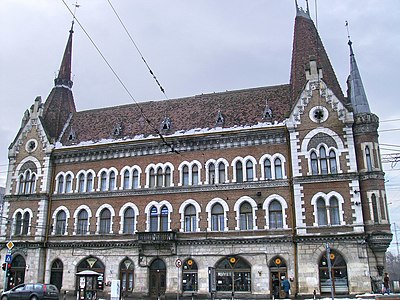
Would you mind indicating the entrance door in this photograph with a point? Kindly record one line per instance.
(18, 267)
(157, 278)
(278, 273)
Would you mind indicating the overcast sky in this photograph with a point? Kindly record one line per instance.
(193, 47)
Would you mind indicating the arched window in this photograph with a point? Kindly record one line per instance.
(129, 221)
(267, 169)
(167, 177)
(375, 208)
(126, 179)
(239, 172)
(60, 188)
(135, 179)
(81, 183)
(321, 211)
(25, 223)
(221, 172)
(217, 218)
(105, 221)
(32, 184)
(195, 175)
(334, 211)
(56, 275)
(103, 181)
(153, 219)
(323, 161)
(275, 215)
(126, 276)
(338, 278)
(27, 181)
(189, 276)
(61, 221)
(211, 173)
(21, 184)
(18, 223)
(82, 225)
(185, 175)
(249, 171)
(190, 218)
(159, 176)
(332, 162)
(246, 216)
(89, 182)
(278, 168)
(111, 184)
(164, 218)
(152, 178)
(233, 275)
(368, 159)
(314, 163)
(68, 183)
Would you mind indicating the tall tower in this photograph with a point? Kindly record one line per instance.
(60, 103)
(371, 175)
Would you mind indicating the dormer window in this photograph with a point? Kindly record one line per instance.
(117, 129)
(220, 120)
(166, 124)
(267, 111)
(72, 135)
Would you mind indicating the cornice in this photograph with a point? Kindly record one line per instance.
(223, 140)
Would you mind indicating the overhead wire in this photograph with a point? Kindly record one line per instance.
(137, 49)
(169, 145)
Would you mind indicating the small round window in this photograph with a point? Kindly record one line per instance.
(31, 145)
(318, 114)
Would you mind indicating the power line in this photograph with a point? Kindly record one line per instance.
(137, 48)
(122, 83)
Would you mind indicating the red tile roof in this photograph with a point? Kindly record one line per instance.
(306, 44)
(238, 108)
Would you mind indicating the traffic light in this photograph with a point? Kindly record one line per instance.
(3, 266)
(8, 274)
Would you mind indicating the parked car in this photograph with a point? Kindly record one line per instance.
(32, 291)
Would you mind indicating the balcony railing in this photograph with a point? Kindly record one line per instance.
(156, 236)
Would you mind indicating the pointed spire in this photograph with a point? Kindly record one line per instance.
(307, 46)
(64, 74)
(60, 103)
(301, 12)
(358, 96)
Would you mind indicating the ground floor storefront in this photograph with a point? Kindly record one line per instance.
(200, 270)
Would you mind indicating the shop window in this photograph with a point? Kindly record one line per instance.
(233, 274)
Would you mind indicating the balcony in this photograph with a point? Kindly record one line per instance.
(156, 237)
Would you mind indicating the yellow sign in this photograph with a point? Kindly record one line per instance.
(10, 245)
(278, 261)
(332, 256)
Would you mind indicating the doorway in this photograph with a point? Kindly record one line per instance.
(18, 267)
(157, 281)
(278, 273)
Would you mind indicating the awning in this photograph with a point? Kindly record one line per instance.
(88, 272)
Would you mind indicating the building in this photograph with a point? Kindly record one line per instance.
(229, 192)
(2, 193)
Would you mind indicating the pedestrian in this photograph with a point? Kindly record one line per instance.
(286, 287)
(386, 284)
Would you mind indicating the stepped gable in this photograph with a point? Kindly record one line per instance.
(307, 45)
(238, 108)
